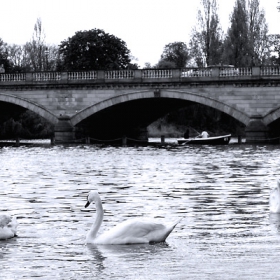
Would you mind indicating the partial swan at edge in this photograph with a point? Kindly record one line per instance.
(129, 232)
(8, 227)
(274, 199)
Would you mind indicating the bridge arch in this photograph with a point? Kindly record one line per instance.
(272, 116)
(32, 106)
(175, 94)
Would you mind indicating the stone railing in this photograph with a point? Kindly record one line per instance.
(143, 75)
(119, 74)
(196, 72)
(12, 77)
(46, 76)
(90, 75)
(270, 71)
(156, 73)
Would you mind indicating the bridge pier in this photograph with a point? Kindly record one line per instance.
(256, 131)
(64, 130)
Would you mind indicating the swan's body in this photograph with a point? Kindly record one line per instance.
(8, 227)
(274, 199)
(129, 232)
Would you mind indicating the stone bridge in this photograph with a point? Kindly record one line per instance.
(110, 104)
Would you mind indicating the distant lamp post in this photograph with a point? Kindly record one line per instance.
(47, 57)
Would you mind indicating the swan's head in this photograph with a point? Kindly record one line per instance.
(92, 196)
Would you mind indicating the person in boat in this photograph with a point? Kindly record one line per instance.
(204, 134)
(187, 134)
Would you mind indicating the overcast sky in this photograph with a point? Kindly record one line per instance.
(145, 25)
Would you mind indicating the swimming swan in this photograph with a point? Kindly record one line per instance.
(274, 199)
(129, 232)
(8, 227)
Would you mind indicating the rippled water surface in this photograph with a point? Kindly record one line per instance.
(222, 193)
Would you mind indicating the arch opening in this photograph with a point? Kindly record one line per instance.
(19, 122)
(128, 118)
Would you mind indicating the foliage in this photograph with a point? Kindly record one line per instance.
(207, 36)
(35, 49)
(274, 43)
(4, 61)
(26, 125)
(258, 31)
(166, 64)
(247, 41)
(176, 54)
(237, 45)
(94, 49)
(35, 55)
(197, 118)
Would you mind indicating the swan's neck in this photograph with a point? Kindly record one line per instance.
(98, 220)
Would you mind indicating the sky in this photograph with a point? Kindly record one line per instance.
(145, 25)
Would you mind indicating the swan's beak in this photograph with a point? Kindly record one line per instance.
(87, 204)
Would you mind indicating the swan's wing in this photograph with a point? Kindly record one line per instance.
(5, 220)
(137, 228)
(135, 231)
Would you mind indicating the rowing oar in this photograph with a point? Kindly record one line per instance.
(187, 141)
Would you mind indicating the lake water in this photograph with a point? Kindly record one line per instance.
(221, 192)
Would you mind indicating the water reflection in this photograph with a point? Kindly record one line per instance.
(130, 256)
(274, 220)
(221, 192)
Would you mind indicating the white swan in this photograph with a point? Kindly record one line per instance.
(8, 227)
(129, 232)
(274, 199)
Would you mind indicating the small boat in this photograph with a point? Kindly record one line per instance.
(216, 140)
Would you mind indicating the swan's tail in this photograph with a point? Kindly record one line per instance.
(171, 227)
(177, 222)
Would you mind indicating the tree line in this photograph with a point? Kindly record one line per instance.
(247, 42)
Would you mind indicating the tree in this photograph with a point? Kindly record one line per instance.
(247, 41)
(35, 55)
(207, 36)
(36, 48)
(166, 64)
(94, 49)
(274, 43)
(4, 54)
(175, 55)
(258, 33)
(238, 49)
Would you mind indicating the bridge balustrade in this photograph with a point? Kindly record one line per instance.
(270, 71)
(229, 72)
(46, 76)
(90, 75)
(12, 77)
(156, 73)
(119, 74)
(196, 72)
(139, 75)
